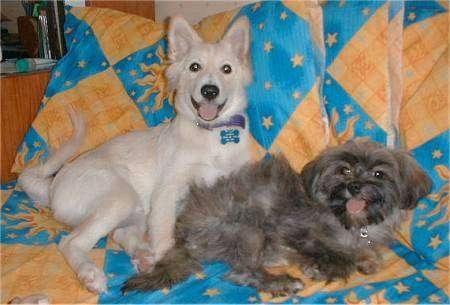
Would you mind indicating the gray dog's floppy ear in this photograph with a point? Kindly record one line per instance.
(415, 182)
(238, 36)
(181, 37)
(309, 174)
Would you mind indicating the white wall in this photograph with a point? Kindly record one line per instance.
(193, 11)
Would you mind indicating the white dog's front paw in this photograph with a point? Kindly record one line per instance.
(92, 277)
(143, 260)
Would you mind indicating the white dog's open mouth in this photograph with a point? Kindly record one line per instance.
(207, 111)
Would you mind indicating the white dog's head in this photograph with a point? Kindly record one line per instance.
(209, 79)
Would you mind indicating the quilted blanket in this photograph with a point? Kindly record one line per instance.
(324, 72)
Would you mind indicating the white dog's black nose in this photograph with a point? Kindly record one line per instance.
(210, 92)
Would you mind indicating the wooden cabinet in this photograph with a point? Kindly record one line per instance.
(21, 95)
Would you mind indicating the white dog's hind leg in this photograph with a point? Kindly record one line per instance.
(114, 209)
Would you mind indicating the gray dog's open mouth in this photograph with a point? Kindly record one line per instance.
(355, 206)
(207, 111)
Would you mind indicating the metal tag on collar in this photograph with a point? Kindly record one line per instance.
(229, 136)
(363, 232)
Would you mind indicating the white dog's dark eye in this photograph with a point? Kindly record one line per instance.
(378, 174)
(346, 171)
(226, 69)
(195, 67)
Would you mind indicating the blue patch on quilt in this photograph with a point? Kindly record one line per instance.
(276, 44)
(69, 71)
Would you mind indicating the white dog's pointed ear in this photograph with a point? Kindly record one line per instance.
(181, 37)
(238, 36)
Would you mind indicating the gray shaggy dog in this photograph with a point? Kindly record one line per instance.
(329, 219)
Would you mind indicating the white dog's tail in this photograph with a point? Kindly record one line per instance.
(36, 180)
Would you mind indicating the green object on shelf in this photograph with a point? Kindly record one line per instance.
(33, 64)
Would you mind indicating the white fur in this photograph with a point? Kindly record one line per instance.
(131, 184)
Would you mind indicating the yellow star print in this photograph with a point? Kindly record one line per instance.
(261, 26)
(211, 292)
(331, 39)
(437, 154)
(57, 74)
(297, 60)
(366, 11)
(421, 223)
(81, 64)
(267, 85)
(435, 242)
(165, 291)
(267, 122)
(369, 125)
(434, 298)
(256, 6)
(421, 206)
(348, 109)
(200, 275)
(268, 46)
(331, 300)
(296, 95)
(412, 16)
(283, 16)
(252, 299)
(133, 72)
(401, 288)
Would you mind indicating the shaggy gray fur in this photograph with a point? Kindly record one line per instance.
(261, 216)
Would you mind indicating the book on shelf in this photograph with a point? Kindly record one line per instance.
(51, 36)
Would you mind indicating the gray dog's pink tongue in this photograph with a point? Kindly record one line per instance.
(208, 111)
(354, 206)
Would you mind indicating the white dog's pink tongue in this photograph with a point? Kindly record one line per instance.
(354, 206)
(208, 111)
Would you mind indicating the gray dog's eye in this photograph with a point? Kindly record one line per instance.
(378, 174)
(195, 67)
(226, 69)
(346, 171)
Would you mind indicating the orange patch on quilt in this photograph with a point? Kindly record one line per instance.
(28, 270)
(118, 33)
(361, 67)
(304, 134)
(107, 109)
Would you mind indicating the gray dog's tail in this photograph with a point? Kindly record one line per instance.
(174, 268)
(36, 180)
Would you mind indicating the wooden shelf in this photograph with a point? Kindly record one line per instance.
(21, 95)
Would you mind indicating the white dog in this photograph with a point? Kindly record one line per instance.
(131, 184)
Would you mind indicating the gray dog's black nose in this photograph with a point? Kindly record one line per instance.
(354, 188)
(210, 92)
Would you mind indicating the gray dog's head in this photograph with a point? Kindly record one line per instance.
(363, 182)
